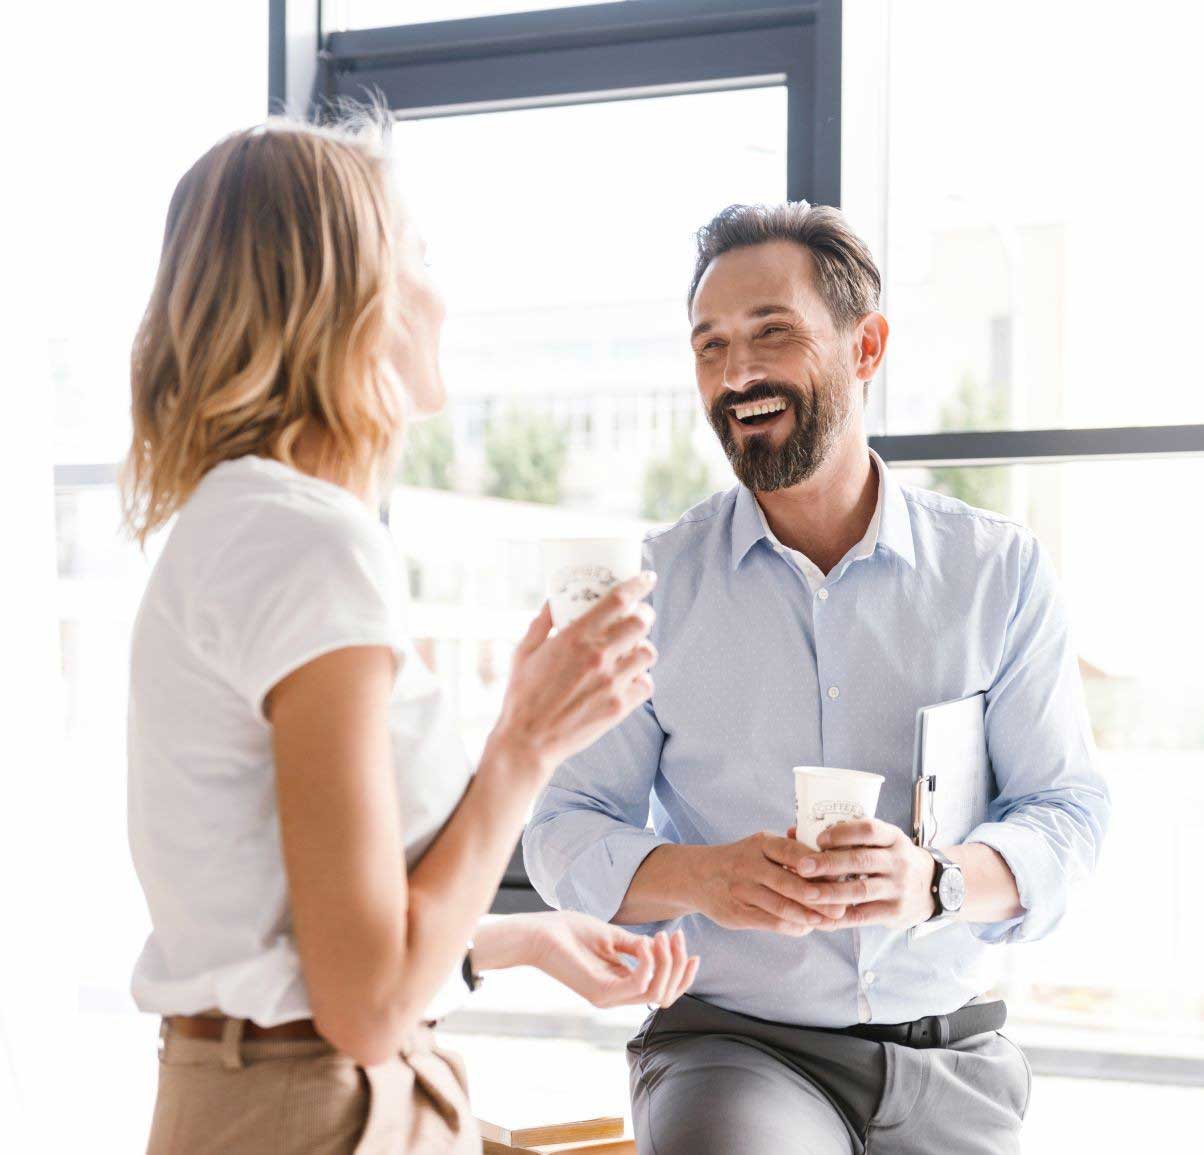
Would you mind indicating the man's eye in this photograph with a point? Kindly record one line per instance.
(773, 329)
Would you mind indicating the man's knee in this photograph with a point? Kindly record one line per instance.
(713, 1096)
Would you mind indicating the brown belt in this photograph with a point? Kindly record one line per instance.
(210, 1027)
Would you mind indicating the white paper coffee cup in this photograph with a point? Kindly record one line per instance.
(578, 572)
(826, 795)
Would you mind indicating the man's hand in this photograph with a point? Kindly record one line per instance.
(753, 885)
(873, 868)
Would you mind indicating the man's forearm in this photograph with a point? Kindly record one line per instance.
(664, 886)
(991, 894)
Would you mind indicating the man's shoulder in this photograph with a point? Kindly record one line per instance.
(943, 522)
(695, 529)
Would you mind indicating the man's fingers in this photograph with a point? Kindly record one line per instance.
(785, 851)
(787, 884)
(867, 914)
(767, 909)
(837, 863)
(851, 891)
(864, 832)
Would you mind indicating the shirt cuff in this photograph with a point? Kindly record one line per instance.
(602, 873)
(1039, 881)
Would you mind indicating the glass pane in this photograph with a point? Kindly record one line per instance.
(109, 177)
(113, 227)
(1043, 215)
(562, 238)
(350, 14)
(1106, 979)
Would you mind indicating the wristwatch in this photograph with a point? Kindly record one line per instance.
(948, 887)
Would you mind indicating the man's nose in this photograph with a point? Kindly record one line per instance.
(742, 370)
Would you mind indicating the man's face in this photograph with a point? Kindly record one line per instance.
(775, 373)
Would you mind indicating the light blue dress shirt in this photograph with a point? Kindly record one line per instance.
(759, 673)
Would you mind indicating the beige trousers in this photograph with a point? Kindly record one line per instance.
(269, 1097)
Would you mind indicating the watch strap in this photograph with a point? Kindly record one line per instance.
(941, 864)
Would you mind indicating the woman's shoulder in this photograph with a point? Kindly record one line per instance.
(254, 503)
(257, 525)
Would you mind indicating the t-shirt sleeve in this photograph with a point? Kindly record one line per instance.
(294, 588)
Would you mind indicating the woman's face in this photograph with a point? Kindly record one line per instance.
(418, 324)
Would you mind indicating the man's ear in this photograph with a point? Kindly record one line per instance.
(871, 336)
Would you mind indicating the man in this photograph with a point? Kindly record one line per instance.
(802, 618)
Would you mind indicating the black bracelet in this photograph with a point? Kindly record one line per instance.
(472, 980)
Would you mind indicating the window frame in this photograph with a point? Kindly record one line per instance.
(653, 47)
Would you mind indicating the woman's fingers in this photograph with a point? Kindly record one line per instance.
(642, 658)
(618, 603)
(681, 960)
(626, 631)
(537, 631)
(639, 948)
(663, 952)
(687, 980)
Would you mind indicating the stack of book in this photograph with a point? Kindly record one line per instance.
(587, 1136)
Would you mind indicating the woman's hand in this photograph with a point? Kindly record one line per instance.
(590, 957)
(566, 691)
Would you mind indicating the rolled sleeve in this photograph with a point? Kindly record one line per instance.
(587, 835)
(1051, 811)
(1036, 869)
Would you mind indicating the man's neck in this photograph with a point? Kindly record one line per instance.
(826, 515)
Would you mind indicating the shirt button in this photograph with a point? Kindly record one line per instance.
(833, 692)
(822, 595)
(869, 978)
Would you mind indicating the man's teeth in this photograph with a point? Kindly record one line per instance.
(757, 408)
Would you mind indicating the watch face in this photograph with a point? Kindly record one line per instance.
(952, 889)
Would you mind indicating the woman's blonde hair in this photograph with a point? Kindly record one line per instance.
(272, 315)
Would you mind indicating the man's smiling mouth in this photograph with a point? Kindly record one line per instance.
(758, 412)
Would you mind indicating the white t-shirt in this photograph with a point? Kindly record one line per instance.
(265, 569)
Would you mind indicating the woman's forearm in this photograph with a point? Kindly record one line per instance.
(457, 878)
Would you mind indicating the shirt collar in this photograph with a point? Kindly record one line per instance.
(889, 527)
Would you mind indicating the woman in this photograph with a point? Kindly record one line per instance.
(314, 849)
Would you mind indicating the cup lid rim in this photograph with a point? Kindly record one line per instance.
(837, 772)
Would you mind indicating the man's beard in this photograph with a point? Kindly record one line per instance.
(819, 418)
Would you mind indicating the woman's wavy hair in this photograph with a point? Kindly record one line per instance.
(272, 314)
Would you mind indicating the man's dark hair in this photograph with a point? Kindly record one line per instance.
(848, 279)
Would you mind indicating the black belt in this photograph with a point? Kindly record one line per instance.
(934, 1030)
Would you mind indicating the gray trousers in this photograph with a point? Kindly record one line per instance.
(706, 1081)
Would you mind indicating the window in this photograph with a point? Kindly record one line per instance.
(565, 291)
(1043, 222)
(1115, 531)
(381, 13)
(162, 108)
(1011, 196)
